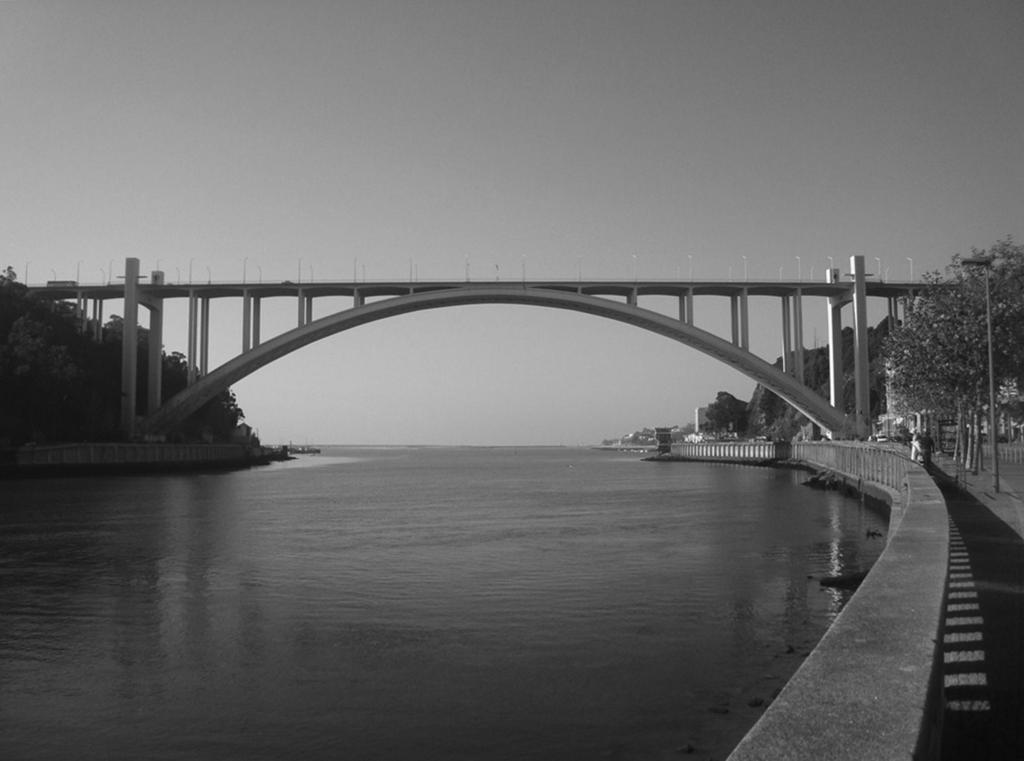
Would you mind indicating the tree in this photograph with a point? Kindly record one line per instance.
(938, 358)
(727, 414)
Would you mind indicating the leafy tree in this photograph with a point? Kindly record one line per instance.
(938, 358)
(727, 414)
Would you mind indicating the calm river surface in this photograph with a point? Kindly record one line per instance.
(412, 603)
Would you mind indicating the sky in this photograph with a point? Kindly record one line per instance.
(315, 140)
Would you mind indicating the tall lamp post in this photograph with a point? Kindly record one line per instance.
(986, 263)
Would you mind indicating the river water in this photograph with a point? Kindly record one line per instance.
(413, 603)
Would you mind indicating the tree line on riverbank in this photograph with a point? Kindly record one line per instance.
(60, 385)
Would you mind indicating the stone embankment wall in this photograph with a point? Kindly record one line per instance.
(732, 451)
(112, 456)
(870, 688)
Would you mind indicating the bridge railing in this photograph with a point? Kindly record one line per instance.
(871, 688)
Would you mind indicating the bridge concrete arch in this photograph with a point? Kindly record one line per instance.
(209, 386)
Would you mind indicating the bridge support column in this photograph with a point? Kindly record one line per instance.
(798, 335)
(82, 309)
(860, 348)
(787, 338)
(97, 320)
(154, 373)
(835, 345)
(255, 321)
(129, 346)
(204, 336)
(686, 307)
(734, 314)
(246, 321)
(193, 306)
(744, 322)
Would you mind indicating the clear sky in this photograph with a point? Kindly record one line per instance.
(321, 139)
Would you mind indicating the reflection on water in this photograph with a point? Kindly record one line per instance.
(440, 603)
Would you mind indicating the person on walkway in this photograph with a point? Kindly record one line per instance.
(915, 447)
(927, 446)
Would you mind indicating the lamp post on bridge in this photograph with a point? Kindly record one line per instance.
(910, 260)
(986, 263)
(691, 266)
(745, 273)
(799, 268)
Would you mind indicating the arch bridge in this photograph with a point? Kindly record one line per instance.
(372, 301)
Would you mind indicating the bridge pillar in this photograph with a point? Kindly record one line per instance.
(97, 319)
(734, 315)
(744, 321)
(787, 338)
(686, 307)
(860, 348)
(798, 335)
(256, 321)
(129, 346)
(835, 344)
(154, 374)
(246, 321)
(82, 310)
(193, 305)
(204, 336)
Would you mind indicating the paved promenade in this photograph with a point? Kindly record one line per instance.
(983, 644)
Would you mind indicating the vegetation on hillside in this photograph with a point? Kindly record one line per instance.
(60, 385)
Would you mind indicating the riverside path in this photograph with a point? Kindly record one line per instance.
(983, 640)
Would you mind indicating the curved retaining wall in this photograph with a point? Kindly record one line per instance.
(870, 689)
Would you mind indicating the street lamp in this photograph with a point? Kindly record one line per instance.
(911, 261)
(691, 266)
(878, 269)
(799, 268)
(745, 276)
(634, 269)
(986, 263)
(245, 261)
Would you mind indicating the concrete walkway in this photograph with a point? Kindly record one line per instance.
(983, 643)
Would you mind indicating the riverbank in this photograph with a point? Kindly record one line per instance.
(114, 458)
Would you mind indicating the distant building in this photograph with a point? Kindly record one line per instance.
(700, 419)
(664, 438)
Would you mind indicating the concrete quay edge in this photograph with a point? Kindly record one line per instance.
(870, 689)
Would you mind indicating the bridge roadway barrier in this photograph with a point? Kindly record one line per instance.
(872, 686)
(119, 456)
